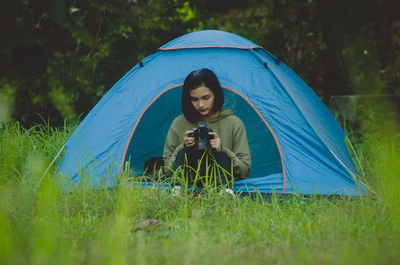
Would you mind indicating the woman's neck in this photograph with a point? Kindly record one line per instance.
(210, 116)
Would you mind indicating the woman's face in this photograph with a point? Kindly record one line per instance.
(202, 100)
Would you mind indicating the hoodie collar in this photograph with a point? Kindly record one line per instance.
(221, 115)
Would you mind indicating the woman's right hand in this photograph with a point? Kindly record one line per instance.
(187, 140)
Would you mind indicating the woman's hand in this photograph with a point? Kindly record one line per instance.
(187, 140)
(216, 142)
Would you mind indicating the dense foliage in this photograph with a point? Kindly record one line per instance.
(58, 57)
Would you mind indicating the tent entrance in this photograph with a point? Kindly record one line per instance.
(149, 136)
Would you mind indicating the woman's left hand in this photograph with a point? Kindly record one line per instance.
(216, 142)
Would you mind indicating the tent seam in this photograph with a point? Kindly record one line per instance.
(272, 132)
(136, 124)
(283, 87)
(205, 47)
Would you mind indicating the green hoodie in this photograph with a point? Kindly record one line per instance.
(229, 128)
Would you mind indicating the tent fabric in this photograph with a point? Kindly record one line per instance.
(296, 144)
(213, 39)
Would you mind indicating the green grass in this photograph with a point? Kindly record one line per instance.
(44, 224)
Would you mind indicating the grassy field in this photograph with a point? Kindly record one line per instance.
(41, 223)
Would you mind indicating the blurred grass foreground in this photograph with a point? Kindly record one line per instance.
(42, 223)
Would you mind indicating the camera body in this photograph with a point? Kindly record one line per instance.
(201, 136)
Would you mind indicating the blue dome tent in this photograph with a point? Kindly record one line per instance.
(296, 144)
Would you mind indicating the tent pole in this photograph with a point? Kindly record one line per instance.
(40, 180)
(361, 168)
(355, 154)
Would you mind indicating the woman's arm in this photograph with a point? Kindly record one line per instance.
(240, 153)
(171, 147)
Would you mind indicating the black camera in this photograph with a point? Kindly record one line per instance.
(201, 136)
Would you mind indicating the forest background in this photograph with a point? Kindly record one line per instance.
(59, 57)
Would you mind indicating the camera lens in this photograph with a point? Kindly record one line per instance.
(202, 136)
(202, 144)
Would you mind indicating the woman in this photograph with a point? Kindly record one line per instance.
(202, 101)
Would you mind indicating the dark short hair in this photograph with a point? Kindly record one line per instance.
(195, 79)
